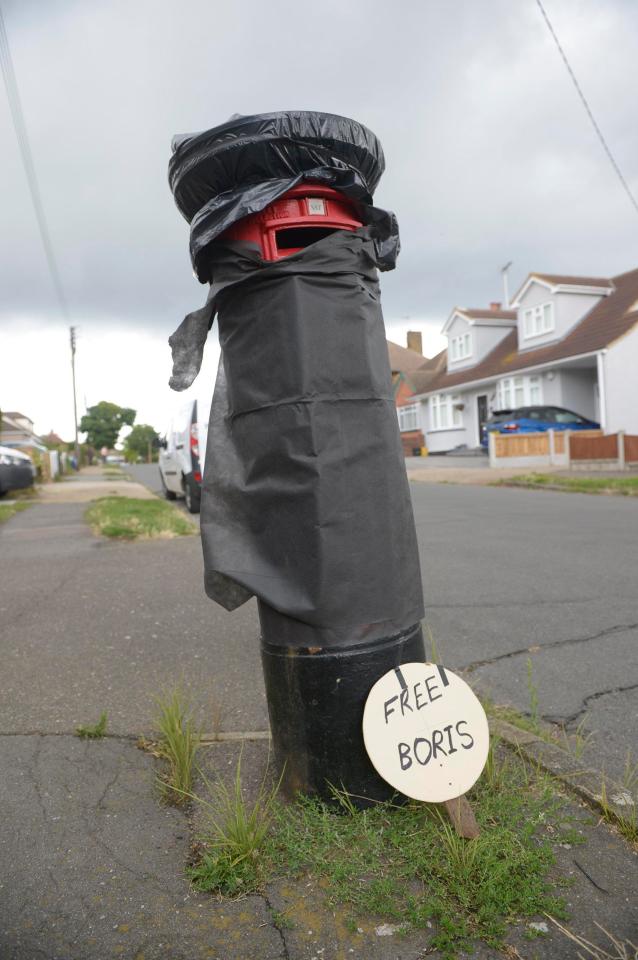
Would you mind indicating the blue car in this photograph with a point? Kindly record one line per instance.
(534, 420)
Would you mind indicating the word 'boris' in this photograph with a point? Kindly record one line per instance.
(424, 749)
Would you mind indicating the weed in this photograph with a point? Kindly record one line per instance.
(95, 731)
(127, 518)
(533, 696)
(576, 743)
(627, 824)
(234, 836)
(623, 949)
(281, 920)
(179, 741)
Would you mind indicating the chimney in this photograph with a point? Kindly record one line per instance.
(495, 305)
(415, 341)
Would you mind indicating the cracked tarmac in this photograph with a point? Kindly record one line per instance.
(89, 626)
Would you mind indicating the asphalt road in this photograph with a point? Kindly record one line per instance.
(514, 580)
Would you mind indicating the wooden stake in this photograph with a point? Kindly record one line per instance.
(462, 816)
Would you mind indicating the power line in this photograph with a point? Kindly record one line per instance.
(15, 106)
(612, 160)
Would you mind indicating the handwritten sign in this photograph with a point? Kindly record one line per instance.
(425, 732)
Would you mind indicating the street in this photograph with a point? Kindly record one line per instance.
(514, 580)
(510, 576)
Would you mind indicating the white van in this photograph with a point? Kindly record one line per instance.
(183, 451)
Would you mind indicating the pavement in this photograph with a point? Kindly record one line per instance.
(92, 866)
(90, 484)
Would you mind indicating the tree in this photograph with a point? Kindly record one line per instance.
(137, 443)
(102, 423)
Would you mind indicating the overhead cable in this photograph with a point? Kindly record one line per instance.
(15, 106)
(611, 157)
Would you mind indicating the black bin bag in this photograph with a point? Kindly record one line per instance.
(305, 500)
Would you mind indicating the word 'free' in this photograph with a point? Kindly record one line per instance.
(412, 698)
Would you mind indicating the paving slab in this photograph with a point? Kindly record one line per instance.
(92, 866)
(91, 625)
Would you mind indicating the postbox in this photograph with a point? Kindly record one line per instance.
(305, 499)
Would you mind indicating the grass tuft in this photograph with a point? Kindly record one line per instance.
(234, 836)
(178, 744)
(95, 731)
(126, 518)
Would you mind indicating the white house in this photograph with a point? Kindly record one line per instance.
(565, 341)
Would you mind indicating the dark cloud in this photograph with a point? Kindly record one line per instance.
(490, 156)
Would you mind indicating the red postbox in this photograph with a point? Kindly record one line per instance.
(307, 213)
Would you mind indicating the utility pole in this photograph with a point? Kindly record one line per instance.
(506, 294)
(75, 400)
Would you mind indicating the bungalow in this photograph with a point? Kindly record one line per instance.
(16, 430)
(564, 341)
(411, 375)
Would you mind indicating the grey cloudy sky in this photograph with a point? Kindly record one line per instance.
(490, 156)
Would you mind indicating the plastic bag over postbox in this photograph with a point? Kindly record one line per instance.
(305, 500)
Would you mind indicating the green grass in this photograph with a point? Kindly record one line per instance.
(95, 731)
(405, 864)
(178, 744)
(8, 509)
(627, 486)
(234, 837)
(125, 518)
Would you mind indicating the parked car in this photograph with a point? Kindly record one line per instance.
(182, 452)
(16, 470)
(534, 420)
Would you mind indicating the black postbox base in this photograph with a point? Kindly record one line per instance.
(315, 701)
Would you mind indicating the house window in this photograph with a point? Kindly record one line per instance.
(461, 347)
(514, 392)
(408, 417)
(538, 320)
(535, 393)
(445, 412)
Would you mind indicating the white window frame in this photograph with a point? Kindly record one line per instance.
(538, 321)
(529, 390)
(408, 417)
(461, 347)
(444, 414)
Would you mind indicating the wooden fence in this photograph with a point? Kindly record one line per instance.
(585, 449)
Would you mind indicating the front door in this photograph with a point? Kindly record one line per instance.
(481, 406)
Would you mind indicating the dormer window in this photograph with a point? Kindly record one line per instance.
(538, 320)
(461, 347)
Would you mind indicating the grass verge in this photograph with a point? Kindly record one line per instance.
(126, 518)
(626, 486)
(404, 864)
(8, 509)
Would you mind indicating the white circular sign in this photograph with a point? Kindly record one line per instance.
(425, 732)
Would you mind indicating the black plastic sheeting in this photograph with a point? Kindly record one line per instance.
(305, 499)
(238, 168)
